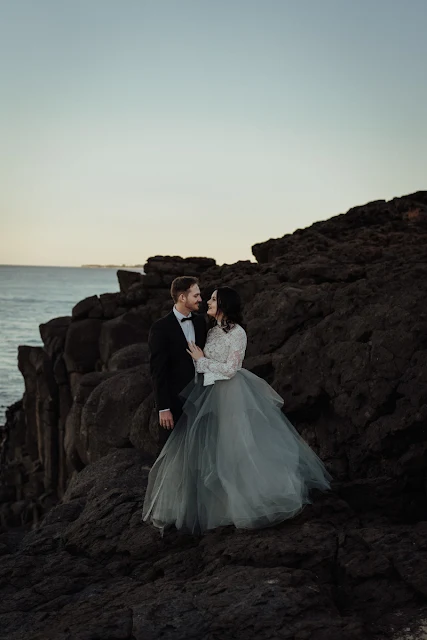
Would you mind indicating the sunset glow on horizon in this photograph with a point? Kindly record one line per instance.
(196, 128)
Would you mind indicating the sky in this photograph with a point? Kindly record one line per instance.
(132, 128)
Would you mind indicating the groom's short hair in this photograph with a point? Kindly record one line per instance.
(182, 285)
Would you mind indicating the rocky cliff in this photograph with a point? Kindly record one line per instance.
(337, 323)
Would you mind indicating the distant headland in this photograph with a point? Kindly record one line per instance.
(112, 266)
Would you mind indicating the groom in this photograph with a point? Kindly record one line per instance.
(172, 368)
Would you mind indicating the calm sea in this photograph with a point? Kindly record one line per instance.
(30, 296)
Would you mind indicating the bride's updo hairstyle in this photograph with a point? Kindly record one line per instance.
(228, 301)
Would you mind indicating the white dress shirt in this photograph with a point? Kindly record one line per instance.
(187, 327)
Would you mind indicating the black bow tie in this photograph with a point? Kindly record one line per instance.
(189, 318)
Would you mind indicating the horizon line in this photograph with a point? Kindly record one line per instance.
(72, 266)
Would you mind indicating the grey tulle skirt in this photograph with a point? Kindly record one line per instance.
(232, 458)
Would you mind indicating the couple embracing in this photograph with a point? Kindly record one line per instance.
(232, 457)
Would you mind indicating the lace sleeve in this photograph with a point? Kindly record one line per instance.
(234, 361)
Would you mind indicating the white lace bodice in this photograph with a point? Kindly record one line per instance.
(224, 353)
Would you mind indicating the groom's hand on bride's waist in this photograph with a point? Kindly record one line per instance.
(166, 419)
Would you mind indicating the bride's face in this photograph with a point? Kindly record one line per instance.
(212, 306)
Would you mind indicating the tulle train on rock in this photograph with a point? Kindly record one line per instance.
(232, 458)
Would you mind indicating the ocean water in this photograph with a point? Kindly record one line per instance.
(30, 296)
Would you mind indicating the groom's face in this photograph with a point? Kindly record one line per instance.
(193, 298)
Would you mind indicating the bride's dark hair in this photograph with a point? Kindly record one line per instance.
(228, 301)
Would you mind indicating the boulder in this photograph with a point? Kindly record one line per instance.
(129, 328)
(54, 334)
(136, 294)
(128, 357)
(107, 415)
(127, 279)
(81, 352)
(146, 434)
(177, 266)
(110, 303)
(87, 308)
(75, 440)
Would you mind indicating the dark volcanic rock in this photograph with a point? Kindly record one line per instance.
(146, 433)
(123, 331)
(107, 415)
(127, 279)
(94, 570)
(337, 323)
(111, 304)
(177, 266)
(137, 294)
(76, 438)
(348, 342)
(53, 335)
(88, 308)
(368, 234)
(162, 270)
(129, 357)
(81, 352)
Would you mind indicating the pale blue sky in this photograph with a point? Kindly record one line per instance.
(131, 128)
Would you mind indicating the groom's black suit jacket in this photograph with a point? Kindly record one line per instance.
(172, 368)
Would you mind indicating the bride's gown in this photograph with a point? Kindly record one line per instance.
(233, 457)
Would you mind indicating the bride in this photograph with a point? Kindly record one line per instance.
(233, 457)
